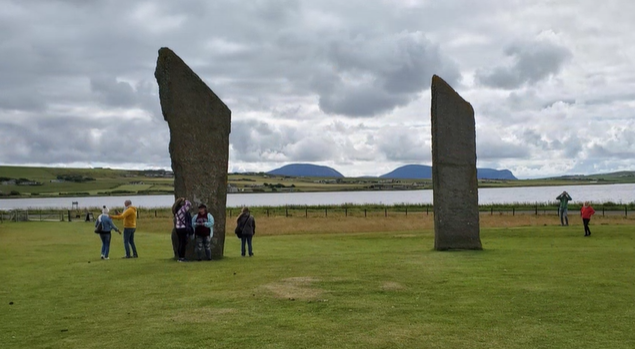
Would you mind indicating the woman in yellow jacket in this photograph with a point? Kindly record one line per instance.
(129, 217)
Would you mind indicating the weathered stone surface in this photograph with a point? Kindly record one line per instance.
(199, 125)
(454, 183)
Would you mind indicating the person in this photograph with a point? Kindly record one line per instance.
(246, 224)
(586, 212)
(106, 227)
(564, 199)
(178, 203)
(181, 223)
(129, 217)
(203, 224)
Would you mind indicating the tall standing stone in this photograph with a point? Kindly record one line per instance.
(454, 182)
(199, 125)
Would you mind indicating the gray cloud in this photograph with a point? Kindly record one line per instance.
(339, 83)
(372, 75)
(531, 62)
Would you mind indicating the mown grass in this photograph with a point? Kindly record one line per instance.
(533, 287)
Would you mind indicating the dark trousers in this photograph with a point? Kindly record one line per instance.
(587, 231)
(128, 241)
(246, 240)
(182, 235)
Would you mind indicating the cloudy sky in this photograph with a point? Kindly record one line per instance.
(339, 83)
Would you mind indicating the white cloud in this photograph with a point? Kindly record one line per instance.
(344, 84)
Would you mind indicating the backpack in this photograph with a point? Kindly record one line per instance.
(99, 228)
(188, 223)
(239, 229)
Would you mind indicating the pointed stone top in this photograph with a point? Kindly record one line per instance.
(440, 86)
(171, 70)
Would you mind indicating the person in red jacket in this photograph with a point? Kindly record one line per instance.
(586, 212)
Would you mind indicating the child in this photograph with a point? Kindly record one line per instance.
(586, 212)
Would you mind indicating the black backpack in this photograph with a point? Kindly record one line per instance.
(99, 228)
(188, 223)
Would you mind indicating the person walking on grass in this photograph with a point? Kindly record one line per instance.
(564, 199)
(182, 221)
(129, 217)
(104, 233)
(203, 224)
(586, 212)
(246, 224)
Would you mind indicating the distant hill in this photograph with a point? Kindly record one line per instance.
(425, 172)
(305, 170)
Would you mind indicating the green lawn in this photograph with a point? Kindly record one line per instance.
(545, 287)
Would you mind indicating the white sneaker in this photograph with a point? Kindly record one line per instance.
(106, 258)
(102, 256)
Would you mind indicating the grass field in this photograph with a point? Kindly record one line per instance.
(345, 285)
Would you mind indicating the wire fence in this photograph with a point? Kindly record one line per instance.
(59, 215)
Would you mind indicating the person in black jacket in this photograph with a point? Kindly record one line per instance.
(246, 224)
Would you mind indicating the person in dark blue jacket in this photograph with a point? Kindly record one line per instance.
(106, 227)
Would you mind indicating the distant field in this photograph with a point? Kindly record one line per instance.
(128, 182)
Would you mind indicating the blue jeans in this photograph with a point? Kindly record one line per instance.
(105, 244)
(243, 240)
(128, 241)
(203, 247)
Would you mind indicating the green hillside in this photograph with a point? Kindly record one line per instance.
(22, 181)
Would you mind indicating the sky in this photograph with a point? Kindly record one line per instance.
(338, 83)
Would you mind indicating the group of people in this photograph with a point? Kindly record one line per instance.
(201, 228)
(104, 226)
(585, 212)
(198, 228)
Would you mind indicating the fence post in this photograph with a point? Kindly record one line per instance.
(69, 215)
(406, 212)
(137, 213)
(491, 211)
(286, 212)
(427, 210)
(385, 212)
(326, 212)
(513, 211)
(40, 215)
(306, 212)
(536, 210)
(364, 213)
(267, 212)
(625, 211)
(155, 213)
(345, 211)
(602, 211)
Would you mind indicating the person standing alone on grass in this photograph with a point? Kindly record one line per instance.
(203, 224)
(564, 199)
(246, 224)
(586, 212)
(182, 222)
(129, 217)
(106, 227)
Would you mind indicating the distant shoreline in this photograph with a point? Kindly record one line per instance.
(83, 195)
